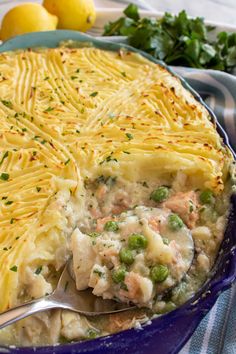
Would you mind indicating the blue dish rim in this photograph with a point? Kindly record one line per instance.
(185, 318)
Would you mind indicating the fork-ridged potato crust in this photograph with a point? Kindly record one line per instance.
(71, 114)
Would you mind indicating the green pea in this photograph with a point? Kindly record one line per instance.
(126, 256)
(206, 197)
(118, 275)
(160, 194)
(175, 222)
(159, 273)
(137, 241)
(111, 226)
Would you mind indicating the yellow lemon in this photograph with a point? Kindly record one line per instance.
(72, 14)
(28, 17)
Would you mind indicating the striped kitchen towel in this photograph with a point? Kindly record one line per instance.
(216, 334)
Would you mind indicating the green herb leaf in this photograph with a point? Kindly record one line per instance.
(129, 136)
(8, 104)
(49, 109)
(176, 39)
(5, 155)
(131, 11)
(93, 94)
(4, 176)
(13, 268)
(38, 270)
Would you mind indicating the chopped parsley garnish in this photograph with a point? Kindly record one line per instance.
(109, 180)
(38, 270)
(8, 104)
(108, 159)
(38, 189)
(67, 161)
(78, 70)
(12, 220)
(77, 131)
(93, 94)
(176, 39)
(123, 73)
(46, 78)
(5, 155)
(4, 176)
(9, 202)
(126, 152)
(93, 234)
(129, 136)
(13, 268)
(98, 272)
(73, 77)
(49, 109)
(191, 207)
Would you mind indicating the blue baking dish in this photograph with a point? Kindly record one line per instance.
(166, 334)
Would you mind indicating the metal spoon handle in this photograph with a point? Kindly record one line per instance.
(26, 310)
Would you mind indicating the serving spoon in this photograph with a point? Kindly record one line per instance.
(67, 297)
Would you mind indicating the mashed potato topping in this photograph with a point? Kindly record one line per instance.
(106, 156)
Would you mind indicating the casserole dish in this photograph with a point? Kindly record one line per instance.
(178, 325)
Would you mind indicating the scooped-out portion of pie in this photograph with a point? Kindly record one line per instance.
(105, 157)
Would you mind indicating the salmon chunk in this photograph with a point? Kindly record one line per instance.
(186, 206)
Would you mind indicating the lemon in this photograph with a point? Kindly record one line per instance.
(72, 14)
(25, 18)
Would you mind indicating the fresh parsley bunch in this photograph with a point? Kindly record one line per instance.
(177, 40)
